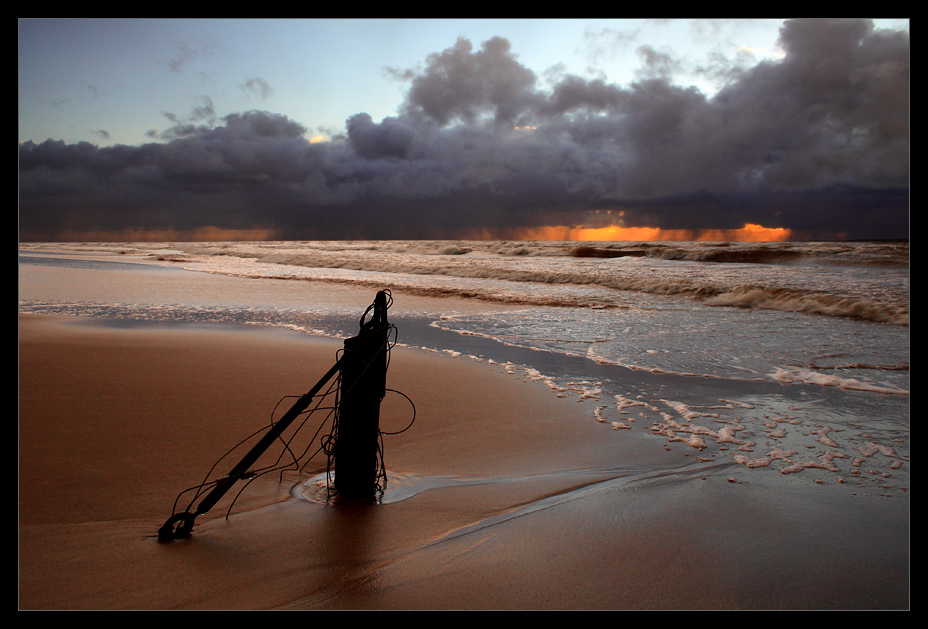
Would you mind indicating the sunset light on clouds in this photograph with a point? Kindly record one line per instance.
(345, 129)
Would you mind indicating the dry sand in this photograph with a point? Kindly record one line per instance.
(519, 500)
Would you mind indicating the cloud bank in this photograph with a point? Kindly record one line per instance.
(816, 142)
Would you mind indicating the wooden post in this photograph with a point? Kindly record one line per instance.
(363, 386)
(363, 369)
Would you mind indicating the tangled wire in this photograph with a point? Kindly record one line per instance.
(292, 457)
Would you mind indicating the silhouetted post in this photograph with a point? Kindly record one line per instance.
(363, 386)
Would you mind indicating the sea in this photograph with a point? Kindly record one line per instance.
(784, 359)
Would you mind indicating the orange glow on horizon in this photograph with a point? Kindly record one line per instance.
(749, 233)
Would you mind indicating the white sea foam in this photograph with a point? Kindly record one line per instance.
(808, 376)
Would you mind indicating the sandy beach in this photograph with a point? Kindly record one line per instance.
(648, 340)
(515, 500)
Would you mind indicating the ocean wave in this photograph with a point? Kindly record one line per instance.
(812, 303)
(795, 375)
(863, 254)
(736, 255)
(513, 273)
(584, 275)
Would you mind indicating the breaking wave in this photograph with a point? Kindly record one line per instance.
(543, 273)
(864, 281)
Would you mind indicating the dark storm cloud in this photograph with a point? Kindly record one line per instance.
(460, 84)
(817, 142)
(390, 138)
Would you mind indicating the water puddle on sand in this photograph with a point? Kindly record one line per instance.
(320, 489)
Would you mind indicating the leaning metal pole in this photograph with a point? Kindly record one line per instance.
(180, 525)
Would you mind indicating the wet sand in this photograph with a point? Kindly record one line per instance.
(517, 500)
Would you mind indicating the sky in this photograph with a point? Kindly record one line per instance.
(518, 129)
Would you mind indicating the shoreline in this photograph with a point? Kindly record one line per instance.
(518, 501)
